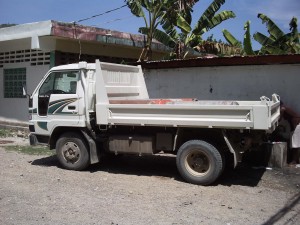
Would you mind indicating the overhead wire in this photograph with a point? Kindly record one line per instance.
(114, 20)
(101, 14)
(91, 17)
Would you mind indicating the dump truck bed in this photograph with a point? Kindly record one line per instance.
(261, 115)
(122, 99)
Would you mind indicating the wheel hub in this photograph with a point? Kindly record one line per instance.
(71, 152)
(197, 163)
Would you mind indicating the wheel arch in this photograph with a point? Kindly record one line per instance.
(58, 131)
(89, 141)
(213, 136)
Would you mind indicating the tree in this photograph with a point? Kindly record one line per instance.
(175, 19)
(278, 42)
(246, 47)
(189, 39)
(155, 12)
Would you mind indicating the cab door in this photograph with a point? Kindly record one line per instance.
(58, 101)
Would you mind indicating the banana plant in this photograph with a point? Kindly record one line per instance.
(175, 19)
(278, 42)
(246, 47)
(154, 12)
(188, 39)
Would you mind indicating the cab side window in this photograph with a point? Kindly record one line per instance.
(60, 83)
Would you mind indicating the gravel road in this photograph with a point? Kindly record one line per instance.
(141, 190)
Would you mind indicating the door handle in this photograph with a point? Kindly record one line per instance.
(72, 107)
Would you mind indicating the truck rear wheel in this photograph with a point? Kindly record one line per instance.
(72, 151)
(199, 162)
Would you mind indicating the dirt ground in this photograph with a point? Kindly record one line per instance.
(141, 190)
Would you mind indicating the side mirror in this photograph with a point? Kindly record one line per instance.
(25, 91)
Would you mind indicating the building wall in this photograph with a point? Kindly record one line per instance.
(227, 83)
(17, 108)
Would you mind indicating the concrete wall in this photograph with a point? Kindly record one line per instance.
(17, 108)
(227, 83)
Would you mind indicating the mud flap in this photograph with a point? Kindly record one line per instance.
(94, 157)
(236, 155)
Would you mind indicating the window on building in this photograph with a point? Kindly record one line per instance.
(14, 80)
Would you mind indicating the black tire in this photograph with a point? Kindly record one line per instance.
(72, 151)
(198, 162)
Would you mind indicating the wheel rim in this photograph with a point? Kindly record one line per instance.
(197, 163)
(71, 152)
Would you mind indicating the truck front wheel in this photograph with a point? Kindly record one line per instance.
(72, 151)
(199, 162)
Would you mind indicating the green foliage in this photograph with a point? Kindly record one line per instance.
(231, 39)
(274, 31)
(159, 35)
(155, 12)
(188, 41)
(247, 40)
(30, 150)
(173, 14)
(136, 8)
(5, 133)
(209, 19)
(262, 39)
(278, 42)
(247, 43)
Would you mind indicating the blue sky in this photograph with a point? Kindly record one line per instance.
(20, 11)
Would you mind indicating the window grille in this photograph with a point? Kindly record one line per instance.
(32, 56)
(14, 80)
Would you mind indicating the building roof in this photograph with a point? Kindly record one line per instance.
(72, 31)
(223, 61)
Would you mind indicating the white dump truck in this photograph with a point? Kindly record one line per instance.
(86, 109)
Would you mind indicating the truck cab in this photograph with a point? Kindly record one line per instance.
(58, 101)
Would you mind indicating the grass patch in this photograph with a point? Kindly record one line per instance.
(6, 133)
(30, 150)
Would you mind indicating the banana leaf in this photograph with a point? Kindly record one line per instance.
(247, 39)
(193, 40)
(274, 31)
(215, 21)
(182, 24)
(231, 39)
(136, 8)
(160, 36)
(262, 39)
(208, 14)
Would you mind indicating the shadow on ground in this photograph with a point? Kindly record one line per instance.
(46, 161)
(160, 166)
(290, 205)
